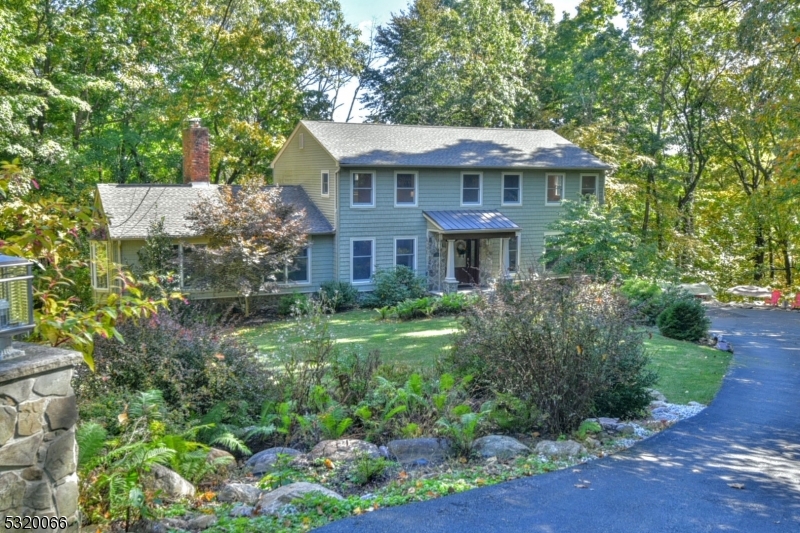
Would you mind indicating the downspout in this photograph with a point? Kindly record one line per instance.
(336, 254)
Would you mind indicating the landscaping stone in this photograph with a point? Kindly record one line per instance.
(499, 446)
(242, 511)
(170, 483)
(239, 492)
(261, 462)
(202, 522)
(409, 451)
(21, 452)
(343, 450)
(165, 525)
(62, 413)
(657, 395)
(271, 502)
(8, 421)
(563, 448)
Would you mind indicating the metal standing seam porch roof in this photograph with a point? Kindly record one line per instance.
(470, 221)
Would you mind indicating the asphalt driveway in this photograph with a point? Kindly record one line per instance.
(677, 481)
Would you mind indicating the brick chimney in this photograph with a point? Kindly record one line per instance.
(195, 153)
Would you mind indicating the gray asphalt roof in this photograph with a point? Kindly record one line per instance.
(470, 220)
(132, 208)
(441, 146)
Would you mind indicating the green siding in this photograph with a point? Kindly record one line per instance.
(440, 189)
(297, 166)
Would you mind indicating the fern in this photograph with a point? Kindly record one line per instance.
(231, 442)
(91, 439)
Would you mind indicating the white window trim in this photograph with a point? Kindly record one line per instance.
(596, 184)
(480, 189)
(503, 189)
(374, 189)
(507, 259)
(563, 188)
(372, 262)
(416, 188)
(301, 141)
(93, 263)
(322, 184)
(288, 283)
(416, 251)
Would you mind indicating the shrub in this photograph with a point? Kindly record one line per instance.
(339, 295)
(648, 299)
(684, 320)
(353, 373)
(453, 303)
(293, 303)
(196, 367)
(416, 308)
(394, 285)
(556, 345)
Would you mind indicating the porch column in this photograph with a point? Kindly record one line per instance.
(503, 258)
(451, 262)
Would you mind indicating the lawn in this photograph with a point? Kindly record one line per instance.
(687, 372)
(414, 342)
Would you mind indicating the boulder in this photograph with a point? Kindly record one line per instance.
(202, 522)
(343, 450)
(271, 502)
(657, 395)
(419, 451)
(263, 461)
(239, 492)
(561, 448)
(499, 446)
(242, 511)
(171, 485)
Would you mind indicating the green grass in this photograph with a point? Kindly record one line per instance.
(414, 342)
(687, 372)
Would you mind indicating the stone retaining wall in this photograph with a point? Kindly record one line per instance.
(38, 452)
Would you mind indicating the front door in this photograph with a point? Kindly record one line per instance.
(467, 261)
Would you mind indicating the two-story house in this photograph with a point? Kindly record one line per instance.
(461, 206)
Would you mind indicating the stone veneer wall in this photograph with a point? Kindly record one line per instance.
(38, 452)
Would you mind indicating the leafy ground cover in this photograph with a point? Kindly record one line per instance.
(687, 372)
(415, 342)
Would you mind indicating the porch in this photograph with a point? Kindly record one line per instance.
(470, 249)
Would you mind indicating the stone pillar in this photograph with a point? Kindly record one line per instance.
(38, 451)
(450, 281)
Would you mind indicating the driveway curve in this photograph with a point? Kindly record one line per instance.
(677, 481)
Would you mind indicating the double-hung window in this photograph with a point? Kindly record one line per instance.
(589, 184)
(363, 189)
(297, 271)
(405, 189)
(512, 189)
(555, 188)
(100, 265)
(362, 260)
(471, 188)
(325, 183)
(405, 252)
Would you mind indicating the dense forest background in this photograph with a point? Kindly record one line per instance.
(693, 102)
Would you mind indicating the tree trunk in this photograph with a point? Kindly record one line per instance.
(758, 256)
